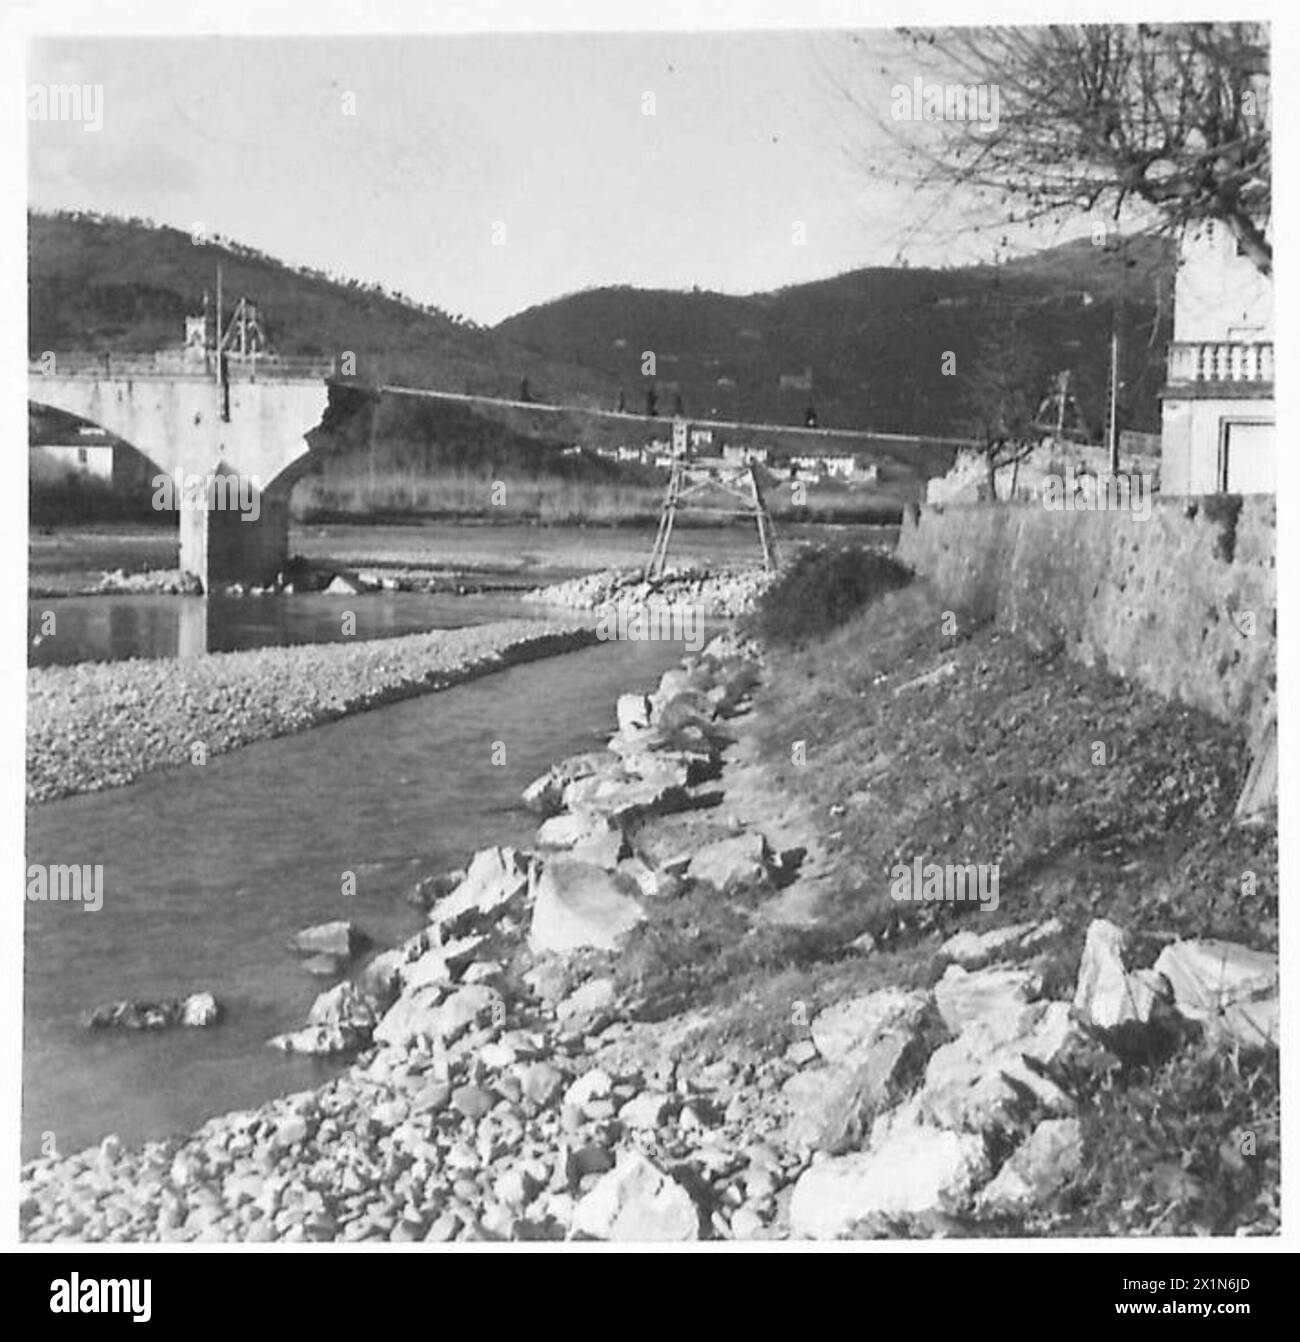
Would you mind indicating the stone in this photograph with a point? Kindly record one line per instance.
(495, 878)
(1228, 988)
(996, 999)
(324, 966)
(602, 850)
(652, 882)
(515, 1188)
(318, 1040)
(624, 801)
(732, 864)
(344, 1007)
(289, 1131)
(984, 1081)
(636, 1202)
(572, 827)
(578, 906)
(746, 1223)
(832, 1107)
(916, 1172)
(845, 1032)
(430, 889)
(413, 1018)
(1259, 792)
(594, 998)
(472, 1005)
(596, 1084)
(340, 938)
(667, 769)
(689, 708)
(472, 1101)
(633, 711)
(200, 1010)
(380, 979)
(974, 950)
(1047, 1161)
(544, 796)
(646, 1111)
(542, 1083)
(1105, 995)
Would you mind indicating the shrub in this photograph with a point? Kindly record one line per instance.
(821, 590)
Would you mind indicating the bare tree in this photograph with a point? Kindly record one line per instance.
(1003, 391)
(1169, 122)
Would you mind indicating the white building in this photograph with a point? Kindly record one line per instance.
(91, 454)
(1217, 414)
(741, 454)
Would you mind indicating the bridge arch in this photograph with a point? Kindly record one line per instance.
(262, 432)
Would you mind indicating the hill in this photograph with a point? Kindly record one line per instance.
(99, 283)
(867, 348)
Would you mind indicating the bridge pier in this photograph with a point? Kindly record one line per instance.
(248, 545)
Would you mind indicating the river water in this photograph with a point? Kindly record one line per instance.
(110, 628)
(208, 873)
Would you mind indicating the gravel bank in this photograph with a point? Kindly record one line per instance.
(101, 724)
(723, 593)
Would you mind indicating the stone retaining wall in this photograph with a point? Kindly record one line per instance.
(1185, 602)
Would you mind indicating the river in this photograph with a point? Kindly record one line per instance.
(209, 872)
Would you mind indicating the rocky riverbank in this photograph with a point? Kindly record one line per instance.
(524, 1070)
(101, 724)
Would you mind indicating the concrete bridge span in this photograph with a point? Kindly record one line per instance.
(233, 450)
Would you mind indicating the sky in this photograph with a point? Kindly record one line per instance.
(489, 173)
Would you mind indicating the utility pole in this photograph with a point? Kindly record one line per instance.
(1112, 420)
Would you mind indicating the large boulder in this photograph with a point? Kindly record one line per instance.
(740, 862)
(1231, 990)
(578, 905)
(545, 795)
(340, 938)
(1106, 995)
(637, 1203)
(916, 1172)
(623, 800)
(1041, 1167)
(987, 1081)
(997, 999)
(495, 877)
(412, 1019)
(633, 711)
(875, 1047)
(346, 1007)
(570, 828)
(847, 1032)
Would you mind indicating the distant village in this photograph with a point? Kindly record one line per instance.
(705, 449)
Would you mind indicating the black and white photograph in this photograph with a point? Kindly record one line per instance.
(645, 626)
